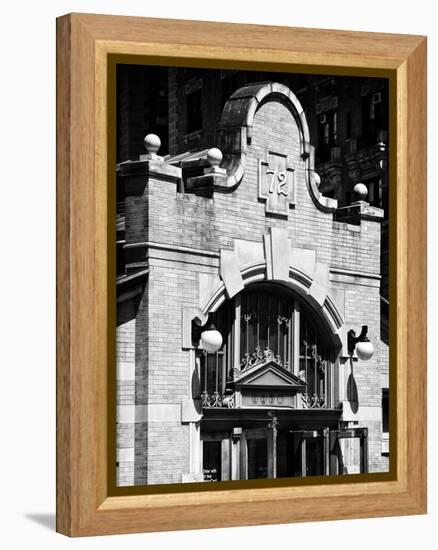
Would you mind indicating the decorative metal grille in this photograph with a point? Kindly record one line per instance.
(263, 326)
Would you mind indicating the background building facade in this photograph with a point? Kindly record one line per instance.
(284, 261)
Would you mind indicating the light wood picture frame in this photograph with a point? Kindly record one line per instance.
(88, 46)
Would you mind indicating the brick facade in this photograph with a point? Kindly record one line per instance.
(358, 151)
(181, 240)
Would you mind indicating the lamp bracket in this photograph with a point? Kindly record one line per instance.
(199, 323)
(353, 339)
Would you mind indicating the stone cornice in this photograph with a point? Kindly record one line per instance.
(359, 211)
(173, 248)
(157, 169)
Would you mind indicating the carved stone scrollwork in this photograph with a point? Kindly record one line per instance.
(209, 401)
(259, 356)
(229, 401)
(216, 400)
(312, 401)
(205, 399)
(282, 320)
(315, 354)
(248, 316)
(251, 359)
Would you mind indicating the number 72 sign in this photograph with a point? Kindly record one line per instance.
(276, 180)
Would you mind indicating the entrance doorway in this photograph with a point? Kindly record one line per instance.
(257, 458)
(212, 460)
(310, 452)
(258, 453)
(349, 451)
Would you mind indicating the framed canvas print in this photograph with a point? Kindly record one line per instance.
(241, 275)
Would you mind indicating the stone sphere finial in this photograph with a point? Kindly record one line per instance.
(152, 143)
(361, 191)
(214, 156)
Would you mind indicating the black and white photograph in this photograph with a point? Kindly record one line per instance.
(219, 280)
(252, 284)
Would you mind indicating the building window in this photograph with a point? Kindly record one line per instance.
(374, 117)
(268, 320)
(265, 322)
(315, 367)
(194, 111)
(327, 134)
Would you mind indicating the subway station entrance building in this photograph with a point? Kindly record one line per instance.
(249, 243)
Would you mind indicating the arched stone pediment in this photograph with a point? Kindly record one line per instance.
(328, 310)
(269, 374)
(236, 129)
(276, 260)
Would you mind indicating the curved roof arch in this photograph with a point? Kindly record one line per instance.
(235, 134)
(328, 314)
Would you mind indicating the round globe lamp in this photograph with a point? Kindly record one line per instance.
(211, 339)
(364, 350)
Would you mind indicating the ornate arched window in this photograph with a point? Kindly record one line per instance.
(267, 322)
